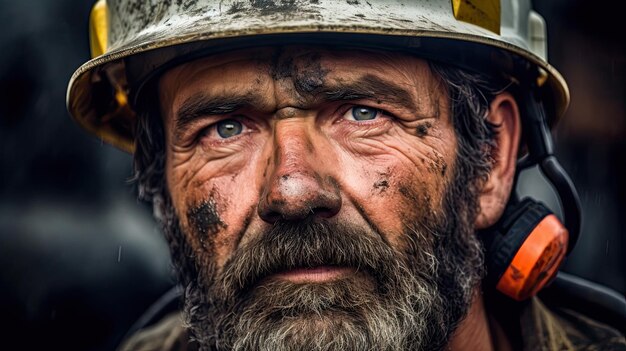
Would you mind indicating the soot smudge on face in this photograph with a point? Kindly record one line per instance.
(306, 72)
(383, 182)
(281, 67)
(417, 200)
(408, 193)
(438, 165)
(309, 75)
(422, 130)
(381, 185)
(205, 220)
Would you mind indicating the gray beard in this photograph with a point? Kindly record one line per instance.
(398, 299)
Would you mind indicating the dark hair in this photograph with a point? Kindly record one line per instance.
(470, 95)
(149, 157)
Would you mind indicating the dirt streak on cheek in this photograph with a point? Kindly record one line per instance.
(437, 164)
(383, 181)
(421, 192)
(206, 222)
(420, 204)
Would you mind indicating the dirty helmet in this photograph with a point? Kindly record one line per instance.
(133, 41)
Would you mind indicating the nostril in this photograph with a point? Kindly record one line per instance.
(326, 206)
(282, 210)
(296, 197)
(267, 211)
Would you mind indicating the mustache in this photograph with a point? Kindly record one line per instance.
(291, 245)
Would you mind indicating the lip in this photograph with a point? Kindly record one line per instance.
(319, 274)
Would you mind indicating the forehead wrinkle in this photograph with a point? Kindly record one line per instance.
(434, 93)
(368, 86)
(174, 85)
(204, 104)
(316, 67)
(412, 90)
(409, 72)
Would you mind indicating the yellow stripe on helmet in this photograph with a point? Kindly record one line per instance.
(98, 28)
(483, 13)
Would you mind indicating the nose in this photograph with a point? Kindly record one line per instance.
(298, 183)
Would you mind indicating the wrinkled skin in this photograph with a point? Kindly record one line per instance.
(286, 161)
(279, 140)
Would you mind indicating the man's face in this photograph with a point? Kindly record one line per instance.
(311, 192)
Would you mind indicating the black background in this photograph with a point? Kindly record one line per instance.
(80, 258)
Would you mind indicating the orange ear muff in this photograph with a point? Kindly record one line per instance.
(524, 250)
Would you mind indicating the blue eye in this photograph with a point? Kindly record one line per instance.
(229, 128)
(363, 113)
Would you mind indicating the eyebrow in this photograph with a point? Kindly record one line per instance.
(365, 87)
(202, 104)
(369, 86)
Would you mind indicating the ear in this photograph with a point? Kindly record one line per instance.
(504, 114)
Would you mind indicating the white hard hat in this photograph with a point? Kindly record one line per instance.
(134, 40)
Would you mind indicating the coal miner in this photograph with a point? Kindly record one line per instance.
(340, 175)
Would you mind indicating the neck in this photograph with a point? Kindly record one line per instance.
(478, 331)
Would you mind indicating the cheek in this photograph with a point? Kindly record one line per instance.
(237, 209)
(400, 183)
(425, 170)
(215, 202)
